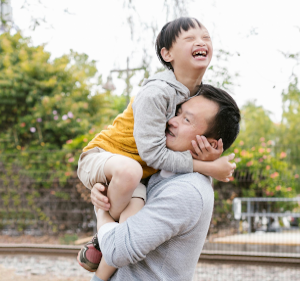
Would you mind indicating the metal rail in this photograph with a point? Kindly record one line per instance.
(255, 258)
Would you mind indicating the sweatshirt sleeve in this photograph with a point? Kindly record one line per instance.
(165, 217)
(150, 111)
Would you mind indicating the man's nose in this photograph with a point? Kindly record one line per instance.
(173, 121)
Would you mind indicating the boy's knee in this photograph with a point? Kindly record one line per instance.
(129, 174)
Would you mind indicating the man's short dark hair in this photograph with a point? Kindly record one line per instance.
(225, 125)
(170, 32)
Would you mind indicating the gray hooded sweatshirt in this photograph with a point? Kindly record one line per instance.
(153, 107)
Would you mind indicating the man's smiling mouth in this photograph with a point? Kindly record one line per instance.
(170, 133)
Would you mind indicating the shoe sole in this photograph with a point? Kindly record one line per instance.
(84, 265)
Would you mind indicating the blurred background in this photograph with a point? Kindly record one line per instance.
(67, 68)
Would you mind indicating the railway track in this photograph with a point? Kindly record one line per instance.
(207, 256)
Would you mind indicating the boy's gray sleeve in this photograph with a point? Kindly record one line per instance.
(166, 217)
(150, 110)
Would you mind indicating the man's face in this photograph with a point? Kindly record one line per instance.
(192, 50)
(192, 118)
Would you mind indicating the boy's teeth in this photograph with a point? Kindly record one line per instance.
(203, 53)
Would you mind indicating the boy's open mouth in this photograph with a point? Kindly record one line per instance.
(199, 54)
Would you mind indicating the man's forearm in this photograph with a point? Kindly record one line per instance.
(105, 223)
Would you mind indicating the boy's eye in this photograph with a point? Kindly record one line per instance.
(187, 120)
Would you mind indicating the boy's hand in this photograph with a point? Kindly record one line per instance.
(222, 169)
(204, 151)
(99, 197)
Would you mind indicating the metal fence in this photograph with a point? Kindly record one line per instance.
(34, 201)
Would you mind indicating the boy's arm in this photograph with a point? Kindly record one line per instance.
(150, 110)
(220, 169)
(159, 221)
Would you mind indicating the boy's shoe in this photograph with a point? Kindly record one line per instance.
(90, 255)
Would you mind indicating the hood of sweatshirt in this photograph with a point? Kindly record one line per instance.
(168, 76)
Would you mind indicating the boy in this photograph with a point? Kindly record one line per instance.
(134, 147)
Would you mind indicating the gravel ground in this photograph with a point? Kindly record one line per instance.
(50, 268)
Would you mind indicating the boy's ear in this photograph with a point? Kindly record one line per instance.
(166, 55)
(213, 143)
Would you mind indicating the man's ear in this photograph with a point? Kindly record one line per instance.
(213, 142)
(166, 55)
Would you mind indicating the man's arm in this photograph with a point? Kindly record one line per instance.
(173, 212)
(150, 110)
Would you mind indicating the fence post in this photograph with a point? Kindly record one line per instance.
(249, 216)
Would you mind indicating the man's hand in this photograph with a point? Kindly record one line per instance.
(204, 151)
(99, 197)
(222, 169)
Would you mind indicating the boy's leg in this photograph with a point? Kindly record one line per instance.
(124, 175)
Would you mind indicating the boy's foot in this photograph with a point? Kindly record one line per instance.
(90, 255)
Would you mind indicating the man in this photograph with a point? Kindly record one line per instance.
(164, 240)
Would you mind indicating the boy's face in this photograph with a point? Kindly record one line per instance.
(192, 118)
(192, 50)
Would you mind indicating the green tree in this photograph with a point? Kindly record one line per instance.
(44, 102)
(289, 136)
(256, 125)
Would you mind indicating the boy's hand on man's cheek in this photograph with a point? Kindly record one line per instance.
(204, 151)
(99, 197)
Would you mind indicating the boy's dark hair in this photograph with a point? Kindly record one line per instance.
(225, 125)
(170, 32)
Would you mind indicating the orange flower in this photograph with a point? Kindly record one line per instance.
(236, 150)
(289, 189)
(268, 167)
(268, 150)
(261, 150)
(67, 174)
(243, 152)
(265, 156)
(22, 124)
(85, 140)
(282, 155)
(241, 143)
(278, 187)
(250, 163)
(274, 175)
(253, 148)
(296, 176)
(69, 141)
(262, 139)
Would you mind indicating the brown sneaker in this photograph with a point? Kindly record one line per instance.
(90, 255)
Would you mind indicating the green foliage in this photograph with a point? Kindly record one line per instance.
(289, 136)
(45, 105)
(265, 171)
(68, 239)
